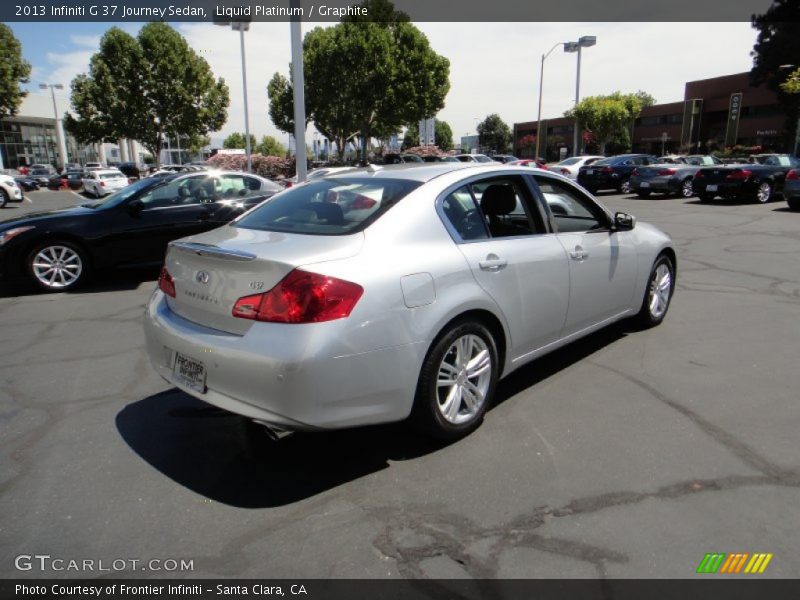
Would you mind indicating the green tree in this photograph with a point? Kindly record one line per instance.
(145, 87)
(777, 45)
(237, 141)
(365, 78)
(610, 118)
(792, 83)
(196, 144)
(269, 146)
(13, 72)
(493, 134)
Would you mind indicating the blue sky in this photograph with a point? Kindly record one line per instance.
(494, 66)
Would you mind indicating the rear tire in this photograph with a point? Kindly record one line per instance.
(457, 381)
(687, 189)
(643, 195)
(794, 203)
(658, 293)
(625, 186)
(764, 192)
(3, 198)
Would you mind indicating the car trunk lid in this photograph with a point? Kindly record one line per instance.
(212, 271)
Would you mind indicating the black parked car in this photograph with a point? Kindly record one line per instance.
(613, 173)
(130, 169)
(670, 178)
(28, 184)
(745, 181)
(42, 174)
(71, 179)
(59, 249)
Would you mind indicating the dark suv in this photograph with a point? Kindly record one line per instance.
(130, 169)
(613, 173)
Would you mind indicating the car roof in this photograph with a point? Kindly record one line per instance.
(421, 172)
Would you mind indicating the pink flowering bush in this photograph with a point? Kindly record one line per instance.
(271, 167)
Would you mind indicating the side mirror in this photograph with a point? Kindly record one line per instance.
(624, 221)
(135, 207)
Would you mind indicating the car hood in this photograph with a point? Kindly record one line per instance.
(46, 216)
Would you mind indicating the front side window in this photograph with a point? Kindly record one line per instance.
(570, 209)
(328, 206)
(187, 190)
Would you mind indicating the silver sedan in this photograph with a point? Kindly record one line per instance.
(381, 294)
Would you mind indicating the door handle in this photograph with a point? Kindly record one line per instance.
(579, 253)
(493, 263)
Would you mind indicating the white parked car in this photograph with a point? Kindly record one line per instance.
(474, 158)
(104, 181)
(9, 190)
(569, 167)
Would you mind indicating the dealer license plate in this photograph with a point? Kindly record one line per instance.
(189, 372)
(589, 171)
(711, 188)
(644, 184)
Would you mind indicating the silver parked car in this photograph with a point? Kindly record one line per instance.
(386, 293)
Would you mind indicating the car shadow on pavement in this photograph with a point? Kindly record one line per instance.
(786, 209)
(231, 460)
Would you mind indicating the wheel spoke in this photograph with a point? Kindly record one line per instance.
(472, 396)
(478, 365)
(447, 375)
(44, 257)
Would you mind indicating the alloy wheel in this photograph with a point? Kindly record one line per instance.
(660, 290)
(764, 192)
(57, 267)
(687, 189)
(463, 380)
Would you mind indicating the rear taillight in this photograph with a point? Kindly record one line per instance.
(739, 175)
(792, 174)
(635, 172)
(606, 170)
(166, 283)
(102, 184)
(699, 175)
(666, 172)
(301, 297)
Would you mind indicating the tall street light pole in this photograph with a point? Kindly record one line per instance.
(585, 41)
(59, 126)
(541, 83)
(298, 85)
(241, 27)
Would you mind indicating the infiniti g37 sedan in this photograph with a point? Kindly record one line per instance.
(381, 294)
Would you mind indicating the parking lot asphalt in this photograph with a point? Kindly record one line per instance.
(629, 454)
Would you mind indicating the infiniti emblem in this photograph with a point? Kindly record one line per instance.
(201, 277)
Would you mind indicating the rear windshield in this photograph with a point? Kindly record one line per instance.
(328, 206)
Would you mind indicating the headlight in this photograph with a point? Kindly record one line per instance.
(8, 234)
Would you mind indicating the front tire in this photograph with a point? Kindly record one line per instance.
(57, 266)
(457, 381)
(3, 198)
(794, 203)
(658, 293)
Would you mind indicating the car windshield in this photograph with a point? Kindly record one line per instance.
(611, 160)
(483, 159)
(125, 193)
(328, 206)
(569, 161)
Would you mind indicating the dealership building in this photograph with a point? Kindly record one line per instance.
(34, 135)
(714, 114)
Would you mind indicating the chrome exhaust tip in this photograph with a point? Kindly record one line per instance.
(274, 432)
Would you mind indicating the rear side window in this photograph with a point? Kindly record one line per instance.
(328, 206)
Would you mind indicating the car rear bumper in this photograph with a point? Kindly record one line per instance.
(726, 189)
(286, 375)
(656, 184)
